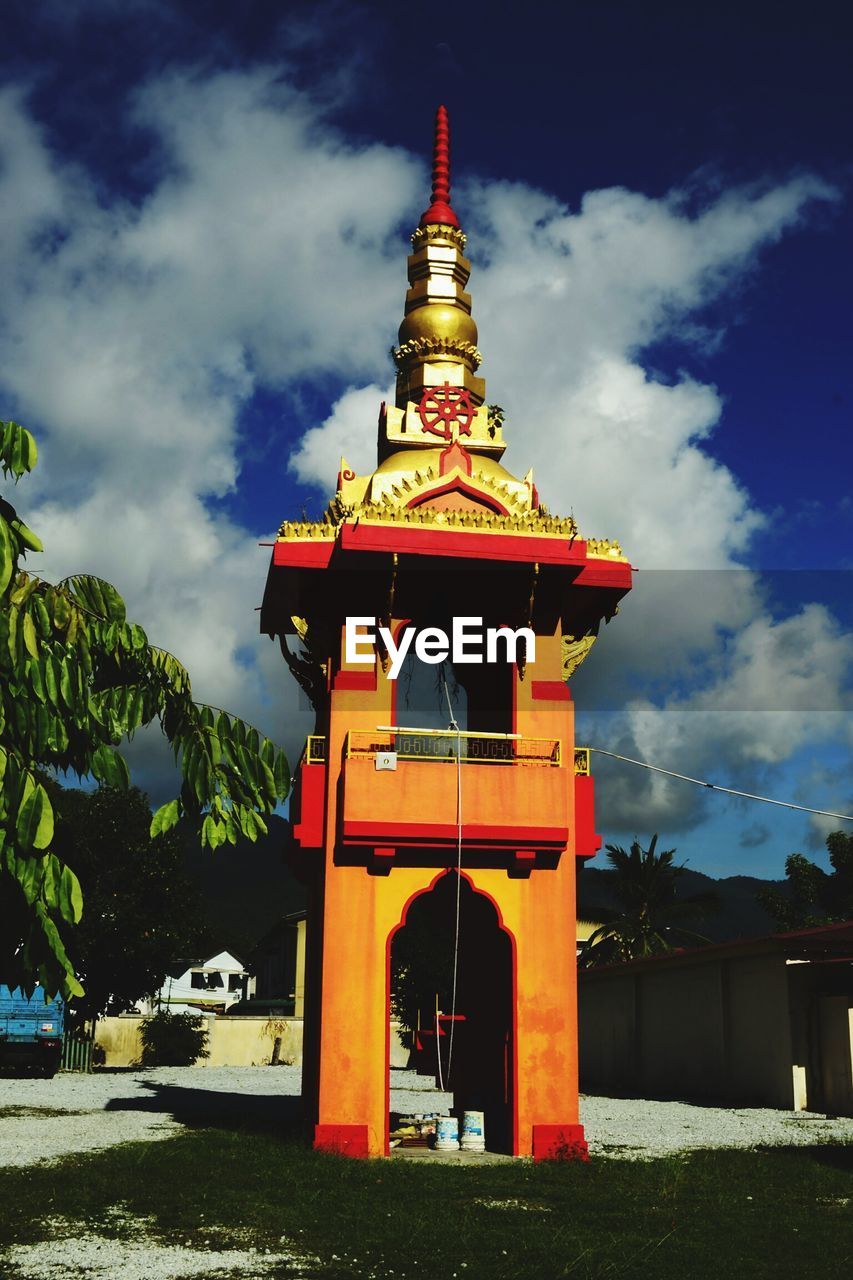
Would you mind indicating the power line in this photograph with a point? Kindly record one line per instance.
(731, 791)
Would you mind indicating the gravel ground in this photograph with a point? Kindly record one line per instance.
(640, 1129)
(106, 1109)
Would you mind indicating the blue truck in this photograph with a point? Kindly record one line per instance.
(31, 1031)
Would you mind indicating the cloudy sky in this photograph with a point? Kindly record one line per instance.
(205, 211)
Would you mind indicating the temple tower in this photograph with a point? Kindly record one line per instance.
(390, 805)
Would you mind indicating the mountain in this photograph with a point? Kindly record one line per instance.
(247, 888)
(740, 914)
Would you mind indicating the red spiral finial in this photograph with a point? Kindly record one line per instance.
(440, 210)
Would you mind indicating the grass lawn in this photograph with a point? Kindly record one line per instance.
(729, 1214)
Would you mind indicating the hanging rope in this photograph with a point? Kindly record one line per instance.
(454, 725)
(714, 786)
(438, 1047)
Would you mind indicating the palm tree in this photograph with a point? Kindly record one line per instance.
(645, 885)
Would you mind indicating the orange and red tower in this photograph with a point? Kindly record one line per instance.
(492, 814)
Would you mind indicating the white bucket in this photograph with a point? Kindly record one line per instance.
(446, 1133)
(473, 1131)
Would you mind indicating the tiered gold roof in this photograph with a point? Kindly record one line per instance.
(440, 444)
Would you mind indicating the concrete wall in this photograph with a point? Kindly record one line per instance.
(836, 1054)
(233, 1042)
(714, 1029)
(761, 1055)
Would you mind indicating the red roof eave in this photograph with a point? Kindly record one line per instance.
(316, 553)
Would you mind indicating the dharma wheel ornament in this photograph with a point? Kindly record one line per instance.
(442, 408)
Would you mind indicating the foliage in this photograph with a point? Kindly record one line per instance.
(647, 919)
(814, 896)
(76, 678)
(142, 909)
(173, 1039)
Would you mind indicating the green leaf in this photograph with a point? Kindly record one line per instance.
(70, 985)
(36, 680)
(138, 638)
(281, 772)
(43, 617)
(30, 540)
(34, 826)
(109, 767)
(60, 606)
(65, 684)
(30, 640)
(26, 588)
(70, 896)
(8, 556)
(98, 596)
(213, 833)
(51, 685)
(165, 818)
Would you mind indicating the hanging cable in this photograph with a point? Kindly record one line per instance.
(438, 1047)
(715, 786)
(454, 725)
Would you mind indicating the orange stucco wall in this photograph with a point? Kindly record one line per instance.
(423, 794)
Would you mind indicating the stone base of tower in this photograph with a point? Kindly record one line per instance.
(559, 1142)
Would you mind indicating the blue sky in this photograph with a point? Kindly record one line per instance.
(205, 220)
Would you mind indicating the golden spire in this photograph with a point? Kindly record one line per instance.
(438, 396)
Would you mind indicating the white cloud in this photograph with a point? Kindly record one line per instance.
(779, 685)
(269, 252)
(350, 431)
(132, 336)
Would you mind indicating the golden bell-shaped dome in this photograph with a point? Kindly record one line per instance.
(441, 320)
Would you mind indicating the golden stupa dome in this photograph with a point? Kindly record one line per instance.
(438, 320)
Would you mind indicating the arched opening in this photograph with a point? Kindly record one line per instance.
(466, 1048)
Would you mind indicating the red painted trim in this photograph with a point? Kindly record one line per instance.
(312, 553)
(550, 691)
(587, 839)
(372, 832)
(605, 573)
(342, 1139)
(455, 455)
(355, 680)
(559, 1142)
(458, 485)
(308, 806)
(429, 541)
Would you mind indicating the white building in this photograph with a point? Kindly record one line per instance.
(204, 986)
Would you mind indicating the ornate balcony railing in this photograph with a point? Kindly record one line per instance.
(439, 744)
(444, 745)
(315, 750)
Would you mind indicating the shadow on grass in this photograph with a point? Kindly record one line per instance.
(831, 1156)
(270, 1114)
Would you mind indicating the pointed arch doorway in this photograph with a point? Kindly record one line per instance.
(472, 1053)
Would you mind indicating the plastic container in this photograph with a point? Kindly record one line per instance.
(446, 1133)
(473, 1136)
